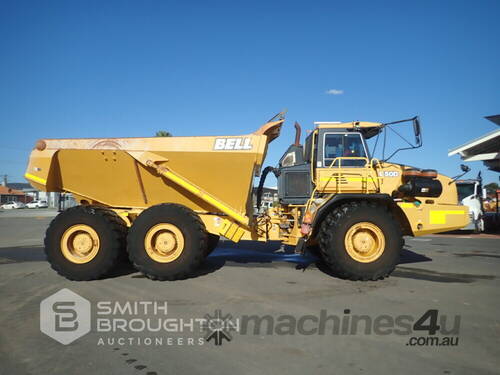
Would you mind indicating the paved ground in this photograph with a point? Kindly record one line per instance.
(28, 212)
(456, 274)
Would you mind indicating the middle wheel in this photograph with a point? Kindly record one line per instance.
(167, 242)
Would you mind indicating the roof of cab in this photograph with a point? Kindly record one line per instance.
(347, 125)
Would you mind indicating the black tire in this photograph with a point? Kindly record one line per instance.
(333, 250)
(314, 250)
(112, 235)
(212, 242)
(195, 242)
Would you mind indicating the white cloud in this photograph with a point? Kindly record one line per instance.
(334, 92)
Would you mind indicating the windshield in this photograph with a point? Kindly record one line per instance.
(344, 145)
(465, 190)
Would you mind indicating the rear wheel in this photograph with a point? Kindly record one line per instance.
(167, 242)
(359, 241)
(85, 242)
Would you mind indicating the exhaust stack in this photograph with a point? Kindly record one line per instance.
(298, 131)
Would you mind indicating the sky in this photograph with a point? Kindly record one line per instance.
(72, 69)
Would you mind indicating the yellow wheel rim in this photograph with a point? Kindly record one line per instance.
(80, 243)
(364, 242)
(164, 243)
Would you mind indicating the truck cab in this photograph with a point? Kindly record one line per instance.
(332, 146)
(471, 194)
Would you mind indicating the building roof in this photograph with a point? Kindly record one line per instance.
(19, 185)
(485, 148)
(495, 119)
(4, 190)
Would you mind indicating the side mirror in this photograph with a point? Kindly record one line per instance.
(416, 127)
(464, 168)
(484, 195)
(416, 130)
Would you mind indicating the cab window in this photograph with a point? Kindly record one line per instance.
(465, 190)
(343, 145)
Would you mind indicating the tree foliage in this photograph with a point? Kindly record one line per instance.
(163, 133)
(491, 188)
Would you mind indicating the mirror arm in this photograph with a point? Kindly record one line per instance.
(465, 169)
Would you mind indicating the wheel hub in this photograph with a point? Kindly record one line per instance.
(164, 242)
(365, 242)
(80, 243)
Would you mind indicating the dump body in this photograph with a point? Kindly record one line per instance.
(114, 171)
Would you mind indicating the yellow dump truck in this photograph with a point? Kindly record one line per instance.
(163, 202)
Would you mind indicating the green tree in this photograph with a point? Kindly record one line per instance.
(491, 188)
(163, 133)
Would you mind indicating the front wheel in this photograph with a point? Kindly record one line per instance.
(359, 241)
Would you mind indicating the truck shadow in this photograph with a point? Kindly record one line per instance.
(250, 254)
(271, 255)
(21, 254)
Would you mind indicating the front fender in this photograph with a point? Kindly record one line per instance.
(338, 199)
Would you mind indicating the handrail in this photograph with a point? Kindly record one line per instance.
(371, 166)
(364, 172)
(313, 166)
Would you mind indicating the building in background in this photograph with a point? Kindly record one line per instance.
(24, 192)
(7, 194)
(269, 196)
(485, 148)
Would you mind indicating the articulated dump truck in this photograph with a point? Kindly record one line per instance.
(162, 203)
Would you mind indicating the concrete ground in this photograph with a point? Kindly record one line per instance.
(456, 274)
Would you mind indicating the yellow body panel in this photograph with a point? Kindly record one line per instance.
(435, 218)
